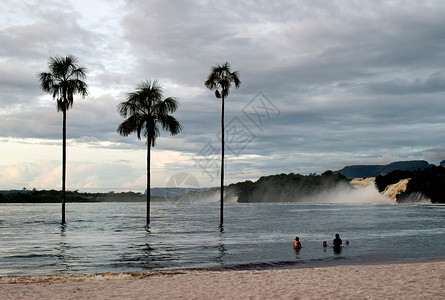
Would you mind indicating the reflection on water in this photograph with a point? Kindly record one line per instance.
(221, 248)
(64, 261)
(337, 249)
(62, 229)
(112, 237)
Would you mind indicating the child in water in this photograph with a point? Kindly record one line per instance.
(297, 244)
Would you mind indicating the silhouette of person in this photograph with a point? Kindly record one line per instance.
(337, 244)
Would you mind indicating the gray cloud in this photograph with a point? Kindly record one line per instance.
(433, 83)
(436, 154)
(354, 80)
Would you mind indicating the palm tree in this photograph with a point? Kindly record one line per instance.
(220, 80)
(146, 112)
(64, 79)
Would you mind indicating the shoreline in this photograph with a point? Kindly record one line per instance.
(403, 280)
(10, 279)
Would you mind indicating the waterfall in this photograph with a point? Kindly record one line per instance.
(392, 190)
(362, 182)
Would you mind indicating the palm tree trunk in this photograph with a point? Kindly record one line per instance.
(63, 166)
(148, 180)
(222, 162)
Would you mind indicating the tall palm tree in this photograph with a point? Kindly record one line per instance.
(145, 113)
(64, 79)
(220, 80)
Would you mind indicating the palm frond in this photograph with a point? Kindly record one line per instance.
(171, 103)
(235, 79)
(170, 124)
(168, 105)
(46, 81)
(79, 72)
(213, 79)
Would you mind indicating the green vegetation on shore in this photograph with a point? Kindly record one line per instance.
(288, 187)
(53, 196)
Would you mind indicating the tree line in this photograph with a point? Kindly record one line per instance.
(54, 196)
(289, 187)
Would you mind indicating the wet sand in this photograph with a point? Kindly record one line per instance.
(420, 280)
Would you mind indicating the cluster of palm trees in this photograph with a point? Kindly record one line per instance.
(145, 111)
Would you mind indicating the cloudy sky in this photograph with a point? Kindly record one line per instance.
(324, 84)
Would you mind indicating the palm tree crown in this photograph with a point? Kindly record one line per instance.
(64, 79)
(221, 78)
(145, 111)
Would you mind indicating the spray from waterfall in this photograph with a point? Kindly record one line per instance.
(364, 192)
(208, 196)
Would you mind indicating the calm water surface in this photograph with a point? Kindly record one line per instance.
(111, 237)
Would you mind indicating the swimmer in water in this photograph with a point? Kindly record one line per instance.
(325, 244)
(297, 244)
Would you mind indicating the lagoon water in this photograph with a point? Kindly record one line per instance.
(111, 237)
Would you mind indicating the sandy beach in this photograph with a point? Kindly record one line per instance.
(421, 280)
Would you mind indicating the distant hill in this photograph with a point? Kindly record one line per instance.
(360, 171)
